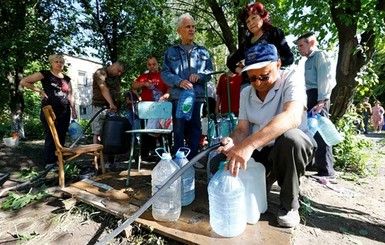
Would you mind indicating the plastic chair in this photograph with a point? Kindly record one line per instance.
(95, 150)
(150, 110)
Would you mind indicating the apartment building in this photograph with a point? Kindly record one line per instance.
(80, 70)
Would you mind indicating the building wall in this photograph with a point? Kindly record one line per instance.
(80, 70)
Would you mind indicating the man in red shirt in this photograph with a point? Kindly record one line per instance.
(152, 89)
(150, 81)
(222, 105)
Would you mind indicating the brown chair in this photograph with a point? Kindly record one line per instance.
(95, 150)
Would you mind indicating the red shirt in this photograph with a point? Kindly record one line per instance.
(235, 91)
(156, 80)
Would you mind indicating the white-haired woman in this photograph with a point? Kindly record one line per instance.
(56, 91)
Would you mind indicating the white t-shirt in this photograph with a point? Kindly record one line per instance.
(290, 86)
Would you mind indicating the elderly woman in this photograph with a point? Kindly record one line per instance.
(259, 30)
(377, 116)
(57, 92)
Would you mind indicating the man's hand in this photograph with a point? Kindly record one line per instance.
(113, 108)
(194, 78)
(237, 158)
(227, 143)
(185, 84)
(318, 107)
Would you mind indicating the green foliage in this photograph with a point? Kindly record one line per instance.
(23, 237)
(33, 128)
(17, 201)
(71, 170)
(28, 174)
(349, 153)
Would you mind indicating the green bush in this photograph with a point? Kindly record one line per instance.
(33, 128)
(348, 154)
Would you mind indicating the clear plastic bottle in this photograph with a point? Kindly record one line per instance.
(312, 123)
(254, 180)
(227, 204)
(168, 206)
(185, 104)
(188, 177)
(156, 93)
(74, 130)
(328, 131)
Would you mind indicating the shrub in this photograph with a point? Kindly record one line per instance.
(348, 154)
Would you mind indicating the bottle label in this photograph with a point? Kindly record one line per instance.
(187, 104)
(188, 184)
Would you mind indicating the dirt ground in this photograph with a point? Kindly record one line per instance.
(341, 211)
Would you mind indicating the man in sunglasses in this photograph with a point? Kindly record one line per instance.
(271, 128)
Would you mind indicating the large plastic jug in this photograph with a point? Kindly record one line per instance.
(168, 206)
(185, 104)
(227, 204)
(188, 177)
(254, 180)
(312, 123)
(328, 131)
(75, 130)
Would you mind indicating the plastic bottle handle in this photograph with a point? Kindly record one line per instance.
(160, 148)
(185, 149)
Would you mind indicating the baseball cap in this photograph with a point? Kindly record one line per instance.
(259, 56)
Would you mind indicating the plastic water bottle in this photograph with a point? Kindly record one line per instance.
(227, 204)
(185, 104)
(254, 180)
(156, 93)
(328, 131)
(312, 123)
(188, 177)
(168, 206)
(75, 130)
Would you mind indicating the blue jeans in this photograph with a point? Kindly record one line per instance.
(193, 130)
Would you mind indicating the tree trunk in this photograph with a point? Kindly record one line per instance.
(227, 37)
(16, 100)
(351, 59)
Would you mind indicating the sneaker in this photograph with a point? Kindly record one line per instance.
(53, 167)
(288, 219)
(329, 177)
(199, 165)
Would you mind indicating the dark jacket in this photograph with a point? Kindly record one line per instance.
(272, 36)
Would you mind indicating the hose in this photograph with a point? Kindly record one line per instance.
(150, 201)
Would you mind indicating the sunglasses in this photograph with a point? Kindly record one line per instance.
(262, 78)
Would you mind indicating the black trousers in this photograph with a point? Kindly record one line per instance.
(324, 160)
(63, 115)
(285, 161)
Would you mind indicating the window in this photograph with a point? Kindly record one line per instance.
(82, 78)
(83, 110)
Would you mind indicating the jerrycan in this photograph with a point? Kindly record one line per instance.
(226, 203)
(74, 130)
(188, 177)
(168, 206)
(254, 180)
